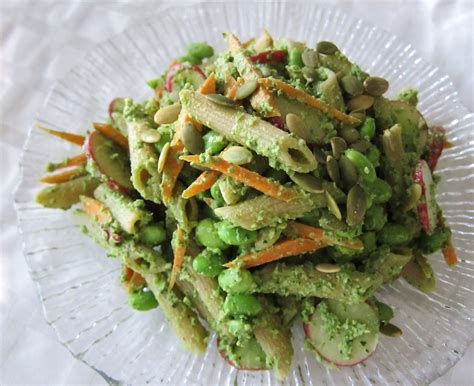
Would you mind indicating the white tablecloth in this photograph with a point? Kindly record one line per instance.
(40, 40)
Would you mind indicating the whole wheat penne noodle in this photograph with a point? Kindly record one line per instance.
(283, 150)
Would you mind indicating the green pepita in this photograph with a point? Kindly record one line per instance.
(328, 268)
(237, 155)
(348, 172)
(349, 134)
(362, 145)
(167, 114)
(356, 205)
(359, 114)
(163, 156)
(264, 42)
(332, 206)
(310, 74)
(246, 89)
(150, 136)
(326, 48)
(310, 58)
(332, 167)
(352, 85)
(375, 86)
(391, 330)
(228, 192)
(360, 102)
(221, 100)
(319, 155)
(192, 139)
(297, 126)
(338, 145)
(307, 182)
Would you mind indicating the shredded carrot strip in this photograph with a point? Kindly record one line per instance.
(64, 176)
(209, 85)
(70, 137)
(179, 252)
(449, 254)
(136, 281)
(171, 170)
(96, 209)
(247, 177)
(205, 180)
(308, 99)
(309, 232)
(77, 160)
(277, 251)
(112, 133)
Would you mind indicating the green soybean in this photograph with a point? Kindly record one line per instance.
(236, 280)
(242, 304)
(234, 235)
(294, 58)
(364, 167)
(142, 300)
(370, 241)
(431, 243)
(394, 234)
(373, 155)
(367, 130)
(153, 234)
(206, 234)
(380, 191)
(214, 142)
(375, 218)
(200, 50)
(164, 139)
(190, 59)
(216, 194)
(209, 262)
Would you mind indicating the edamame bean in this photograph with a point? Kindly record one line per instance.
(216, 194)
(375, 218)
(370, 241)
(200, 50)
(394, 234)
(235, 280)
(206, 234)
(242, 304)
(380, 191)
(432, 243)
(373, 155)
(294, 58)
(367, 130)
(209, 262)
(234, 235)
(214, 142)
(364, 167)
(277, 175)
(164, 139)
(153, 234)
(142, 300)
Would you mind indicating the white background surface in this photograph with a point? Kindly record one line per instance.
(41, 40)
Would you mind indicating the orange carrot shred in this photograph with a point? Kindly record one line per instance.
(205, 180)
(209, 85)
(179, 252)
(308, 99)
(64, 176)
(449, 254)
(96, 209)
(277, 251)
(247, 177)
(112, 133)
(77, 160)
(70, 137)
(171, 170)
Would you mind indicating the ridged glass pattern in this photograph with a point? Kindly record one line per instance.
(79, 287)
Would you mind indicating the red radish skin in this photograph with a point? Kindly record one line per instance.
(278, 122)
(115, 105)
(426, 208)
(437, 147)
(269, 56)
(172, 70)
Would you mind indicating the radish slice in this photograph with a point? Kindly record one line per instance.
(269, 56)
(109, 160)
(116, 105)
(437, 146)
(427, 208)
(278, 122)
(192, 73)
(248, 357)
(328, 342)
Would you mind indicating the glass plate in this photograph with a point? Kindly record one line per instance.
(79, 288)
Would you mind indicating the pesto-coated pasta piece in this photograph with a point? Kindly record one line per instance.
(283, 150)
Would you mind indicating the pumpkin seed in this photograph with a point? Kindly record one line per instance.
(352, 85)
(362, 145)
(167, 114)
(359, 114)
(338, 145)
(349, 134)
(228, 192)
(333, 207)
(326, 48)
(297, 126)
(328, 268)
(192, 139)
(264, 42)
(332, 167)
(348, 172)
(237, 155)
(360, 102)
(221, 100)
(307, 182)
(319, 155)
(150, 136)
(310, 58)
(391, 330)
(246, 89)
(414, 191)
(163, 156)
(310, 74)
(375, 86)
(356, 205)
